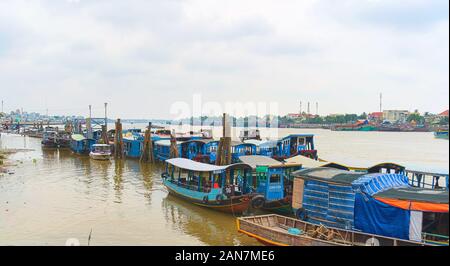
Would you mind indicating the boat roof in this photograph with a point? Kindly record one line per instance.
(415, 194)
(165, 142)
(307, 162)
(329, 175)
(376, 168)
(268, 144)
(253, 141)
(298, 135)
(191, 165)
(101, 145)
(78, 137)
(204, 141)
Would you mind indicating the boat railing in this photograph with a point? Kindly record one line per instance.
(190, 186)
(435, 239)
(422, 179)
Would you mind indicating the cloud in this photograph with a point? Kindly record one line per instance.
(143, 55)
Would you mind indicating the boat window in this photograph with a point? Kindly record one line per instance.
(301, 141)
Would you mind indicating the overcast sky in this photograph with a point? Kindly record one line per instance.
(140, 56)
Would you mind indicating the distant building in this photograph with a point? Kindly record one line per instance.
(375, 116)
(293, 115)
(444, 114)
(395, 115)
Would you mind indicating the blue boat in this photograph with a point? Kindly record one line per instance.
(80, 144)
(441, 134)
(296, 144)
(133, 144)
(162, 149)
(197, 150)
(239, 149)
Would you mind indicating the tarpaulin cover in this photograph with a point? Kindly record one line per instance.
(373, 216)
(374, 183)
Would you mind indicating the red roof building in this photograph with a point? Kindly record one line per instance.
(445, 113)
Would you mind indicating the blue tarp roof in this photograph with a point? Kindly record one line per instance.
(378, 182)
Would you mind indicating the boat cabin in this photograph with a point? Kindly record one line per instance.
(219, 187)
(80, 144)
(377, 203)
(133, 143)
(239, 149)
(162, 149)
(296, 144)
(272, 179)
(195, 150)
(101, 148)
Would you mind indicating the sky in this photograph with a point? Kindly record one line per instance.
(142, 56)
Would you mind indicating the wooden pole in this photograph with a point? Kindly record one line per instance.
(118, 141)
(173, 146)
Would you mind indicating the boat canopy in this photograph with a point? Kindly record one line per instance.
(253, 141)
(298, 135)
(268, 144)
(306, 162)
(415, 194)
(191, 165)
(203, 141)
(329, 175)
(378, 167)
(101, 145)
(78, 137)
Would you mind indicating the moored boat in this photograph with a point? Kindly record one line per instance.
(101, 152)
(279, 230)
(441, 134)
(273, 180)
(381, 203)
(211, 186)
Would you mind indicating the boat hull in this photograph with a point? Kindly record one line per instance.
(282, 206)
(279, 230)
(100, 157)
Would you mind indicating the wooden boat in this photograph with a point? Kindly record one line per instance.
(279, 230)
(101, 152)
(211, 186)
(50, 139)
(274, 181)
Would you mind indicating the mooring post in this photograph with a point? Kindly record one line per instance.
(173, 146)
(147, 152)
(118, 141)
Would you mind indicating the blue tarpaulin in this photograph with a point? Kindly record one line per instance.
(373, 216)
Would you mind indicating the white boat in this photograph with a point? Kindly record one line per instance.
(101, 152)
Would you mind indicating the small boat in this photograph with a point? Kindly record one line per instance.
(249, 134)
(276, 230)
(101, 152)
(50, 139)
(222, 188)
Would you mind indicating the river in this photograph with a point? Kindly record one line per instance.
(55, 197)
